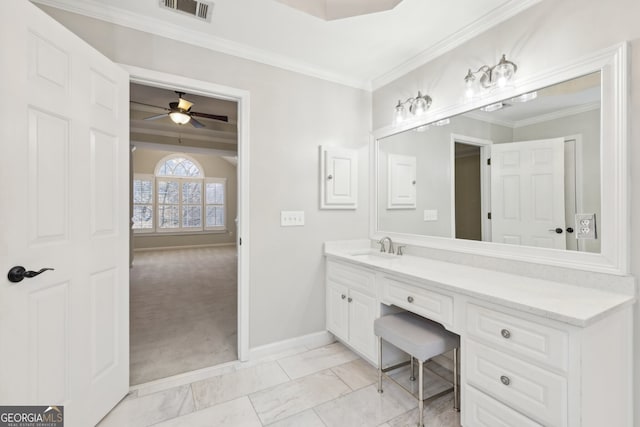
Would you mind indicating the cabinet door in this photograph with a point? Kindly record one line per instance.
(337, 310)
(362, 313)
(401, 182)
(339, 180)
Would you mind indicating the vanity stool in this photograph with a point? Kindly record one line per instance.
(422, 339)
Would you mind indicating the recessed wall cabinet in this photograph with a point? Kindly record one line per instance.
(528, 359)
(351, 307)
(401, 182)
(338, 178)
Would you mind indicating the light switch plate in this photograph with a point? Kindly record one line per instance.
(586, 226)
(291, 218)
(431, 215)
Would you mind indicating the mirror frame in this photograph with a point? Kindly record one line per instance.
(614, 169)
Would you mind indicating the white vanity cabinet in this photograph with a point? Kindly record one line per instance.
(533, 352)
(352, 307)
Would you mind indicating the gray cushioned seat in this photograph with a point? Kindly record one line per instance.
(420, 337)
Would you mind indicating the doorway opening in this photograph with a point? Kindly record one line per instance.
(189, 276)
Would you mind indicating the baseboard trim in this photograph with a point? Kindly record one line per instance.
(310, 341)
(168, 248)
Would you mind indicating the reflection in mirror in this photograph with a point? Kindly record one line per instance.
(523, 171)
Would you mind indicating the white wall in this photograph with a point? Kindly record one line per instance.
(145, 161)
(291, 115)
(552, 32)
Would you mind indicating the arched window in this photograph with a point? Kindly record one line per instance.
(179, 165)
(178, 198)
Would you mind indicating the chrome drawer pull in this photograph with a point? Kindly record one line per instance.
(410, 299)
(350, 299)
(343, 296)
(505, 380)
(506, 333)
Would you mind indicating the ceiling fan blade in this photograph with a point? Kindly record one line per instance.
(159, 116)
(210, 116)
(195, 123)
(148, 105)
(185, 105)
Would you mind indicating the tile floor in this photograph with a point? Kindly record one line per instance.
(328, 386)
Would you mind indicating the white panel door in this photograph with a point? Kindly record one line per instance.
(64, 145)
(401, 182)
(340, 178)
(527, 193)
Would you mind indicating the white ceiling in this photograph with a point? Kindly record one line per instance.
(365, 51)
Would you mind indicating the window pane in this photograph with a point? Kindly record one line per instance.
(192, 216)
(168, 216)
(191, 192)
(179, 166)
(168, 192)
(215, 193)
(142, 191)
(215, 216)
(142, 217)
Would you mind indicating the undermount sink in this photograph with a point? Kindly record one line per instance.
(373, 255)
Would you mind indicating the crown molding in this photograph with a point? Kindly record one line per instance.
(571, 111)
(542, 118)
(168, 30)
(489, 20)
(135, 21)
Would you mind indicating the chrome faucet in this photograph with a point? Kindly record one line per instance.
(382, 247)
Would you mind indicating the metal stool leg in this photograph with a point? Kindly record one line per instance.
(456, 391)
(420, 395)
(413, 370)
(379, 365)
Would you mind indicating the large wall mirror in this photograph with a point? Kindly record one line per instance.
(537, 173)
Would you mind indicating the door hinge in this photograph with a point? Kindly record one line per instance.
(240, 241)
(489, 215)
(489, 161)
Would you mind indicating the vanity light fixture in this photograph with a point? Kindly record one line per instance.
(525, 97)
(492, 107)
(490, 77)
(412, 106)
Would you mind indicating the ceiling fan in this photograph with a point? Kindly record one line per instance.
(180, 113)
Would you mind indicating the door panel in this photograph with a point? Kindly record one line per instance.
(362, 313)
(64, 139)
(527, 193)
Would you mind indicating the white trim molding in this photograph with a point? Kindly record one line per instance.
(614, 256)
(242, 97)
(308, 342)
(162, 28)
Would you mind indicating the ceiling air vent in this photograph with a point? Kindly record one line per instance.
(195, 8)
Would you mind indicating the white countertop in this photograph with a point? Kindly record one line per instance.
(575, 305)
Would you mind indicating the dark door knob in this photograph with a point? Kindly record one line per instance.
(569, 230)
(17, 273)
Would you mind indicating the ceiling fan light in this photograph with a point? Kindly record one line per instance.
(179, 117)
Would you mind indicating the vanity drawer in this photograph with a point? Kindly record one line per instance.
(432, 305)
(532, 340)
(535, 392)
(353, 277)
(480, 410)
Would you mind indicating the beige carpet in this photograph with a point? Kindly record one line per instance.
(183, 311)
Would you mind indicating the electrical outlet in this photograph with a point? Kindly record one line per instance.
(431, 215)
(586, 226)
(291, 218)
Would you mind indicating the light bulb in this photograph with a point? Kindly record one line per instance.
(469, 82)
(400, 113)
